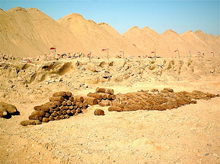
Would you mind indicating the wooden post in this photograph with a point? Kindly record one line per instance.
(213, 54)
(178, 53)
(107, 53)
(90, 55)
(189, 53)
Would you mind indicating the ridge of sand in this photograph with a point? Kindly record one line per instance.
(212, 45)
(194, 40)
(175, 41)
(165, 44)
(96, 37)
(30, 32)
(141, 39)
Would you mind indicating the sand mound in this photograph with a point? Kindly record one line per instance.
(30, 33)
(165, 44)
(96, 37)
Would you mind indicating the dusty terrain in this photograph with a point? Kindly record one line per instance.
(188, 134)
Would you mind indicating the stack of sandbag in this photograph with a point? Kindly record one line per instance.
(104, 96)
(165, 99)
(6, 110)
(61, 105)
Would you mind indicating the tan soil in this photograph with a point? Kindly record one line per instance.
(188, 134)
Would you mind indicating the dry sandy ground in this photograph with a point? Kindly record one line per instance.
(188, 134)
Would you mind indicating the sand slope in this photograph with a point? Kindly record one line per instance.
(96, 37)
(31, 33)
(148, 40)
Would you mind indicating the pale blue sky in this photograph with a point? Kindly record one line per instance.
(159, 15)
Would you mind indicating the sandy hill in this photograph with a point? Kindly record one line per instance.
(96, 37)
(147, 40)
(198, 43)
(211, 43)
(217, 39)
(174, 41)
(30, 32)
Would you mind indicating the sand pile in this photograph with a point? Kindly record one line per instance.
(31, 33)
(165, 44)
(147, 40)
(96, 37)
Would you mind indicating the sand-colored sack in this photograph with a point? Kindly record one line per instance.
(30, 122)
(60, 98)
(105, 103)
(37, 115)
(91, 100)
(95, 95)
(45, 119)
(59, 94)
(69, 94)
(78, 98)
(99, 112)
(100, 90)
(115, 108)
(132, 107)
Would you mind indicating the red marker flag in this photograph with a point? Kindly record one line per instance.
(152, 52)
(175, 50)
(52, 48)
(212, 52)
(104, 49)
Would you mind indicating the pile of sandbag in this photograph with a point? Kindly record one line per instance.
(165, 99)
(104, 96)
(61, 105)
